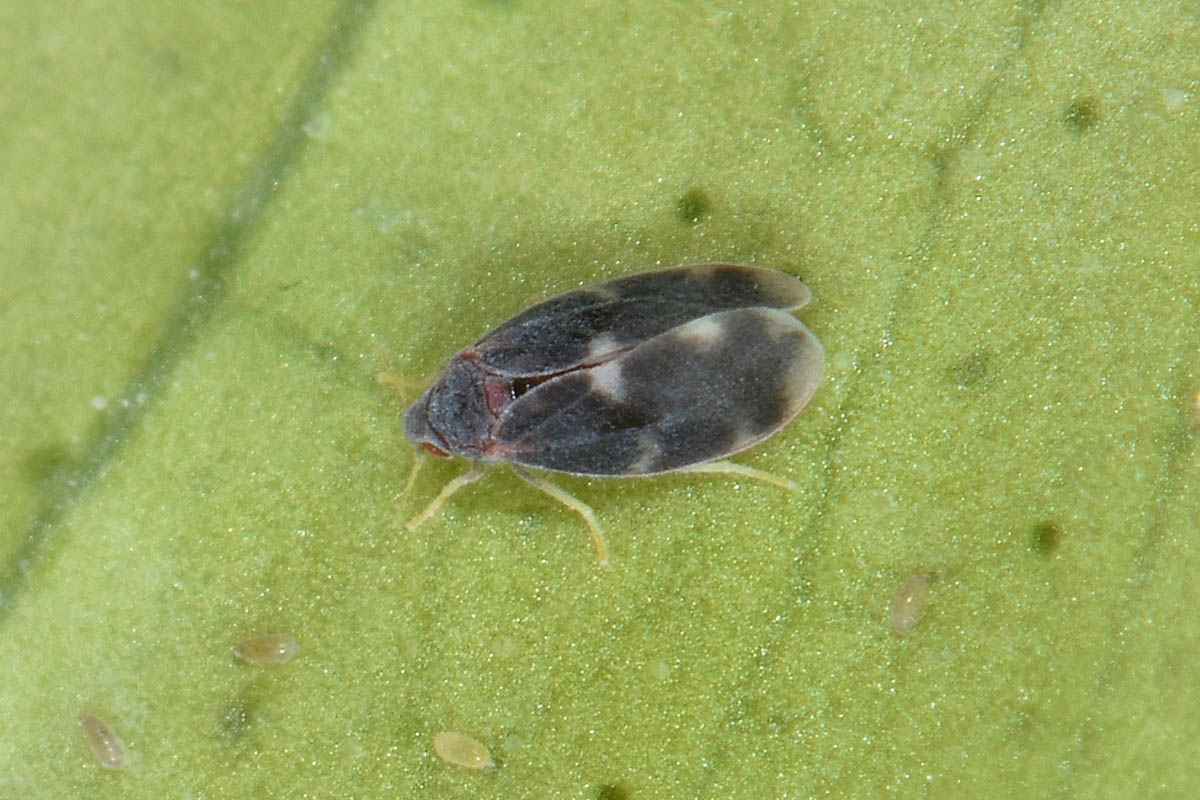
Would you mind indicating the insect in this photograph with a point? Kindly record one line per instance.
(664, 371)
(462, 751)
(908, 604)
(104, 742)
(274, 648)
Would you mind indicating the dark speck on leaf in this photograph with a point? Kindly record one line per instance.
(235, 717)
(238, 714)
(1045, 538)
(971, 372)
(694, 205)
(1081, 115)
(611, 792)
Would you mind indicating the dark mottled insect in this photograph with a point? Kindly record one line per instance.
(665, 371)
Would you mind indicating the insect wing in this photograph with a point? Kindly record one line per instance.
(596, 323)
(701, 391)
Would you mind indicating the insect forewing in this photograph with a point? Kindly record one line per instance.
(597, 323)
(700, 391)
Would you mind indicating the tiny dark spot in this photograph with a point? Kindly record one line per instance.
(612, 792)
(972, 371)
(693, 206)
(1081, 115)
(169, 61)
(235, 717)
(946, 157)
(1045, 538)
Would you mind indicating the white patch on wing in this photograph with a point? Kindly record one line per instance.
(703, 332)
(608, 380)
(648, 451)
(601, 347)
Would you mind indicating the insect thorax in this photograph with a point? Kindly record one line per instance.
(452, 415)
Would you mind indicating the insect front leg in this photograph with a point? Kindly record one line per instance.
(412, 481)
(450, 488)
(573, 503)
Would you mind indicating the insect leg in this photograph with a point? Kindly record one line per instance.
(408, 485)
(575, 505)
(450, 488)
(731, 468)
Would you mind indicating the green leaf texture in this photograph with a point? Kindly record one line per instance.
(221, 224)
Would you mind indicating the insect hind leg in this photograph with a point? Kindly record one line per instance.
(450, 488)
(573, 503)
(732, 468)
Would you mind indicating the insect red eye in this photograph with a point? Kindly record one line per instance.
(434, 450)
